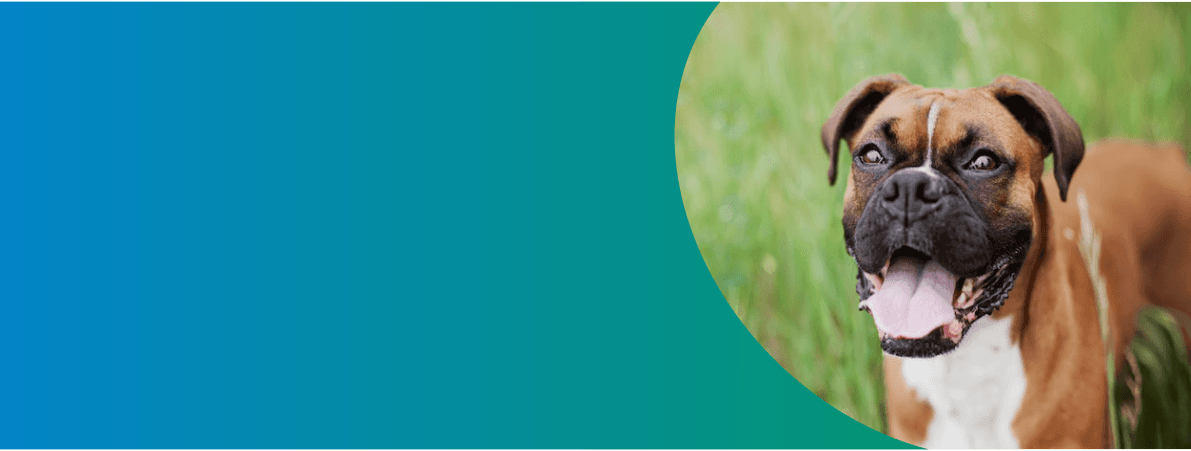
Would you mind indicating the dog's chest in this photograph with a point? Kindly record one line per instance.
(974, 391)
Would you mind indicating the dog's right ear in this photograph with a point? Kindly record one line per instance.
(852, 110)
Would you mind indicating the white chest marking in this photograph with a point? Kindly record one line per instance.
(974, 391)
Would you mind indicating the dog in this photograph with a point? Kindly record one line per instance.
(969, 260)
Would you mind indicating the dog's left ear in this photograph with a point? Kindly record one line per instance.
(1041, 115)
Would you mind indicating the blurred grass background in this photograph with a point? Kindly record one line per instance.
(759, 83)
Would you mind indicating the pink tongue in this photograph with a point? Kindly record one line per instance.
(914, 299)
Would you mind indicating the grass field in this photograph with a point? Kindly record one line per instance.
(761, 80)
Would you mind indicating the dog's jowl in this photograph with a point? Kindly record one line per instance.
(968, 260)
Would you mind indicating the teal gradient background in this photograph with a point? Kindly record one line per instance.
(365, 225)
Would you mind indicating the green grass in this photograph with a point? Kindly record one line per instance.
(1151, 393)
(761, 80)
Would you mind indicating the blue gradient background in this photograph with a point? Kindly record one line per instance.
(364, 225)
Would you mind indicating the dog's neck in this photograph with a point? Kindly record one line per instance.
(1018, 303)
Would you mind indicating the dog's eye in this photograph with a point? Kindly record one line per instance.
(871, 155)
(984, 161)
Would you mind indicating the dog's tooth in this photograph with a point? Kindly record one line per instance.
(959, 302)
(953, 331)
(969, 284)
(874, 281)
(965, 301)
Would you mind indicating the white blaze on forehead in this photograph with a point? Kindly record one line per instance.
(931, 118)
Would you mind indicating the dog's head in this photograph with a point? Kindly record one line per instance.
(939, 207)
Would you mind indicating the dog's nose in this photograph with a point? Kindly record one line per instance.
(911, 193)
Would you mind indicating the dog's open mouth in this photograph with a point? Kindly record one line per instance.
(915, 298)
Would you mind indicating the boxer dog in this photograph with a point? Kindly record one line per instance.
(969, 259)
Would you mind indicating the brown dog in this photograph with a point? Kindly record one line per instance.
(970, 264)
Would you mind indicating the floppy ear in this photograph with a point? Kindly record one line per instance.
(851, 111)
(1041, 115)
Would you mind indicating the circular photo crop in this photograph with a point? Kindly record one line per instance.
(766, 203)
